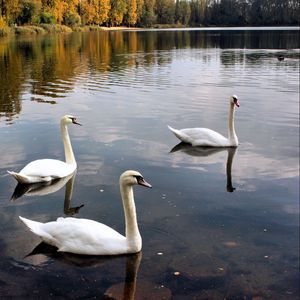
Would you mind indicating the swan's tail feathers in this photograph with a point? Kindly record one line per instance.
(171, 128)
(34, 226)
(19, 177)
(177, 133)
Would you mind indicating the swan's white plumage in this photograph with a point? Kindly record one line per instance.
(88, 237)
(207, 137)
(43, 170)
(80, 236)
(201, 137)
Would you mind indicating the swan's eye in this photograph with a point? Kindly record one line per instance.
(74, 121)
(138, 178)
(141, 181)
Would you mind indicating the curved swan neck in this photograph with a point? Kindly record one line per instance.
(132, 230)
(69, 155)
(231, 131)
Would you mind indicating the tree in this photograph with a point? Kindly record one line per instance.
(87, 12)
(148, 17)
(30, 11)
(148, 12)
(131, 16)
(139, 11)
(10, 10)
(102, 9)
(165, 11)
(117, 12)
(182, 12)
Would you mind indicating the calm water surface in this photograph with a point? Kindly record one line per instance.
(217, 224)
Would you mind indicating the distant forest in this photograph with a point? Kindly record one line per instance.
(147, 13)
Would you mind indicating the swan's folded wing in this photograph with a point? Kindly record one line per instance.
(83, 236)
(204, 137)
(48, 168)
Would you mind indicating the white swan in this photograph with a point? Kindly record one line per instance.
(210, 138)
(43, 170)
(88, 237)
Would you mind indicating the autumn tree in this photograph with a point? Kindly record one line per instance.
(117, 12)
(102, 8)
(10, 10)
(87, 11)
(131, 15)
(139, 11)
(56, 8)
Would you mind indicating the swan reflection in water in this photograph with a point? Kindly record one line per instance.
(208, 151)
(45, 188)
(125, 290)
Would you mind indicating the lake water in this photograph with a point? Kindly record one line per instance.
(216, 224)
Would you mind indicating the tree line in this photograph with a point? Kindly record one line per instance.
(147, 13)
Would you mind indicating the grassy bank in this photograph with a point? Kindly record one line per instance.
(33, 29)
(41, 29)
(48, 28)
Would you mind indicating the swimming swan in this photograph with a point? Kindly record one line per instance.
(43, 170)
(210, 138)
(88, 237)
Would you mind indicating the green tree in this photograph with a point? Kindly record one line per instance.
(148, 17)
(182, 12)
(165, 11)
(30, 12)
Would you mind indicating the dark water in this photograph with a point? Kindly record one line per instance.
(217, 224)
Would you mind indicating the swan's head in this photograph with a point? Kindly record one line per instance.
(131, 177)
(68, 119)
(234, 100)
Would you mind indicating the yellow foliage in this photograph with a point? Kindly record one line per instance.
(102, 15)
(132, 12)
(2, 23)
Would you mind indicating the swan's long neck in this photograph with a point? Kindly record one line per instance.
(132, 231)
(231, 131)
(69, 155)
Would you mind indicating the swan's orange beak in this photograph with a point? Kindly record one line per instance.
(237, 103)
(143, 182)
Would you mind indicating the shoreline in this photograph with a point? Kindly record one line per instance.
(56, 28)
(41, 29)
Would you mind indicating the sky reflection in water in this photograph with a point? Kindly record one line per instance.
(199, 240)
